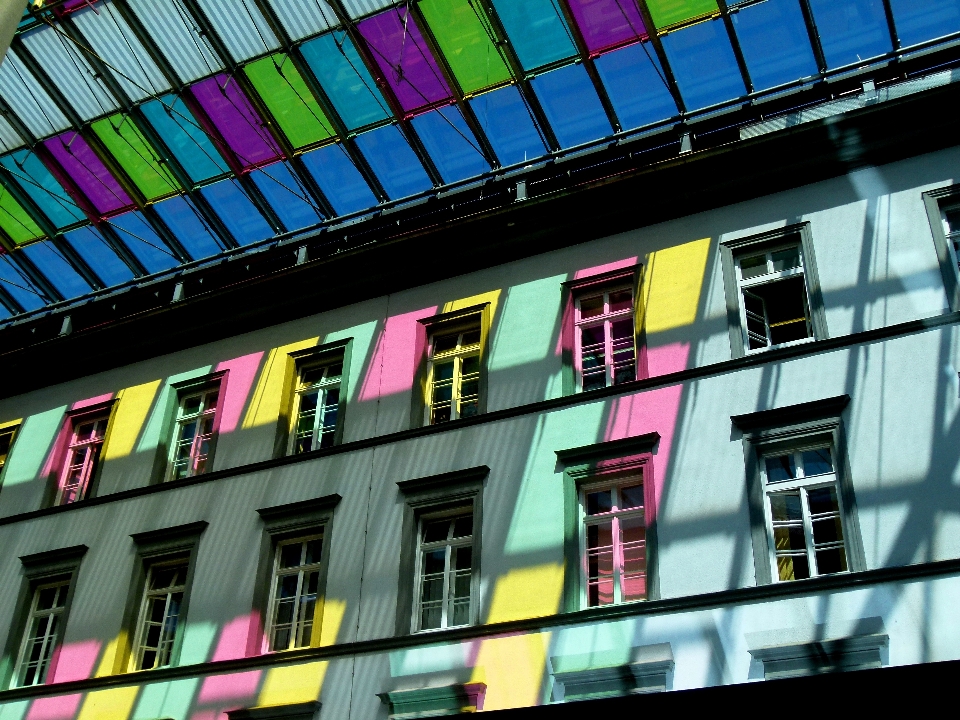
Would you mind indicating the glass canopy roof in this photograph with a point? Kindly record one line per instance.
(139, 135)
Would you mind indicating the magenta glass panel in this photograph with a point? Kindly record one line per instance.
(82, 165)
(238, 123)
(607, 23)
(404, 58)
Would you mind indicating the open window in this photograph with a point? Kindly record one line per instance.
(7, 435)
(317, 405)
(943, 211)
(81, 457)
(195, 429)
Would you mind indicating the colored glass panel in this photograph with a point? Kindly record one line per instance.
(81, 164)
(237, 212)
(671, 12)
(607, 23)
(393, 161)
(704, 65)
(508, 124)
(571, 105)
(18, 285)
(287, 97)
(42, 187)
(919, 20)
(4, 313)
(287, 196)
(466, 39)
(15, 220)
(851, 31)
(144, 242)
(537, 31)
(404, 59)
(338, 178)
(450, 143)
(236, 120)
(636, 86)
(139, 160)
(189, 227)
(345, 79)
(183, 136)
(55, 268)
(90, 244)
(775, 43)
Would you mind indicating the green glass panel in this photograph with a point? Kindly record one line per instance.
(671, 12)
(286, 95)
(139, 160)
(464, 35)
(15, 221)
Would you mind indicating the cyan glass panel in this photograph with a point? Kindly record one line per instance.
(18, 285)
(338, 178)
(571, 105)
(775, 43)
(181, 132)
(508, 124)
(852, 30)
(337, 65)
(189, 227)
(143, 241)
(90, 245)
(237, 212)
(393, 161)
(704, 65)
(919, 20)
(56, 269)
(636, 86)
(43, 188)
(287, 196)
(450, 143)
(537, 31)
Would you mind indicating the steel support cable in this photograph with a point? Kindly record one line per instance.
(165, 251)
(323, 121)
(3, 192)
(353, 67)
(33, 97)
(69, 149)
(563, 24)
(136, 57)
(323, 14)
(263, 40)
(29, 180)
(74, 60)
(155, 159)
(194, 32)
(13, 266)
(203, 222)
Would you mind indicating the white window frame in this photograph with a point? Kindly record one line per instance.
(606, 318)
(952, 236)
(142, 617)
(803, 484)
(322, 387)
(90, 448)
(301, 570)
(459, 353)
(449, 573)
(51, 630)
(616, 515)
(205, 410)
(9, 431)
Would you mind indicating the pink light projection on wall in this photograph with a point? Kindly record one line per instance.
(62, 707)
(229, 688)
(233, 638)
(243, 373)
(396, 355)
(74, 661)
(80, 404)
(566, 339)
(605, 268)
(667, 358)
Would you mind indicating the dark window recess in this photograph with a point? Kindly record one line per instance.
(777, 313)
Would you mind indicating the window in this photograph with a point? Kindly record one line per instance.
(453, 376)
(318, 403)
(950, 217)
(614, 542)
(194, 433)
(296, 583)
(6, 442)
(445, 570)
(82, 455)
(605, 349)
(40, 638)
(775, 309)
(160, 613)
(804, 515)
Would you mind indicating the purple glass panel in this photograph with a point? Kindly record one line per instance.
(404, 58)
(607, 23)
(238, 123)
(82, 165)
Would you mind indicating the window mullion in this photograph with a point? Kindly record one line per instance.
(295, 619)
(318, 417)
(808, 532)
(617, 560)
(444, 616)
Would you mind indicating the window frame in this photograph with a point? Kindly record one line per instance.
(92, 468)
(449, 573)
(458, 354)
(272, 608)
(182, 392)
(322, 387)
(142, 622)
(32, 614)
(607, 318)
(937, 202)
(11, 429)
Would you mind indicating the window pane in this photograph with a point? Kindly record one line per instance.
(633, 539)
(823, 500)
(785, 259)
(753, 266)
(831, 561)
(600, 564)
(621, 300)
(817, 462)
(463, 526)
(600, 501)
(793, 567)
(591, 307)
(631, 497)
(780, 468)
(786, 507)
(435, 531)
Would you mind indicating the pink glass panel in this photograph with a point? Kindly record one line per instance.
(404, 58)
(633, 547)
(82, 165)
(606, 23)
(238, 123)
(600, 564)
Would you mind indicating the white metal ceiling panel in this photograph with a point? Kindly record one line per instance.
(27, 98)
(241, 26)
(112, 39)
(359, 8)
(176, 33)
(9, 139)
(303, 18)
(66, 65)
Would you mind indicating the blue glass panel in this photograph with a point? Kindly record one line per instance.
(189, 227)
(343, 76)
(181, 132)
(852, 30)
(43, 188)
(90, 245)
(508, 125)
(143, 241)
(919, 20)
(537, 30)
(636, 86)
(287, 196)
(775, 43)
(56, 269)
(393, 161)
(4, 313)
(571, 105)
(16, 283)
(450, 143)
(339, 179)
(235, 210)
(704, 65)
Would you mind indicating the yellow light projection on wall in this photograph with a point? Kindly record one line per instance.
(111, 704)
(492, 297)
(267, 397)
(292, 684)
(526, 593)
(133, 406)
(512, 668)
(673, 281)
